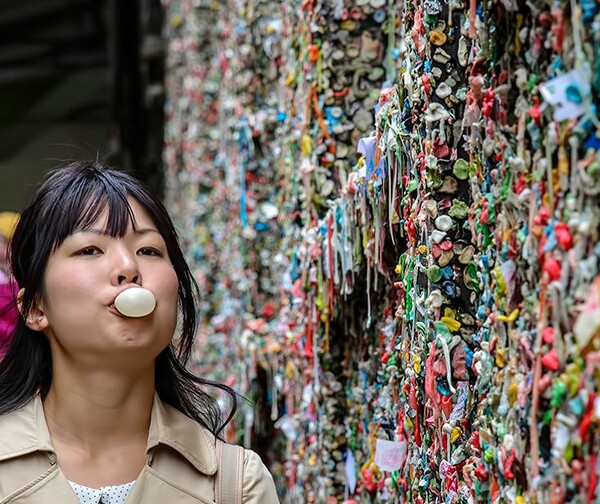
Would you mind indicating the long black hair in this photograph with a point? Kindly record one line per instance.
(69, 199)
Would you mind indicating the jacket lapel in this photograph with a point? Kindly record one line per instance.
(172, 428)
(152, 486)
(53, 488)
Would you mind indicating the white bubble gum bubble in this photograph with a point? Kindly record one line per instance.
(135, 302)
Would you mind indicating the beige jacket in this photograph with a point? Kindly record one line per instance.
(181, 463)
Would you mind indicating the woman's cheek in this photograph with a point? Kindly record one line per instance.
(173, 283)
(169, 290)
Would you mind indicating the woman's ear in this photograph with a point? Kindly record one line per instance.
(36, 318)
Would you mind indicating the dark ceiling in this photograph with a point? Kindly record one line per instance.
(72, 84)
(51, 36)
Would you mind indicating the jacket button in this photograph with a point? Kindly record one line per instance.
(52, 458)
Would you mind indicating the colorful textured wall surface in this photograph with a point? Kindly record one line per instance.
(392, 208)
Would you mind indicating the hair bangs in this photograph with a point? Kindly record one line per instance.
(82, 204)
(119, 214)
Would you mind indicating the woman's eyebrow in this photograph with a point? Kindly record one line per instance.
(103, 232)
(146, 231)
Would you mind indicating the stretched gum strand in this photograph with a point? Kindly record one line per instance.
(447, 359)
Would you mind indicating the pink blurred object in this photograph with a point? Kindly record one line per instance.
(8, 314)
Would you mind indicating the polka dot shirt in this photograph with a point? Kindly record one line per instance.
(105, 495)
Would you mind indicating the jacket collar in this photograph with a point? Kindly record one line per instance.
(172, 428)
(25, 431)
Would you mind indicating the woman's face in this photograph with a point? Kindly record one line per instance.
(87, 272)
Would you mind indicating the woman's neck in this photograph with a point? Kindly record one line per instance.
(98, 410)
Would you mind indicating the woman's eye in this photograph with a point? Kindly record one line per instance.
(89, 251)
(150, 251)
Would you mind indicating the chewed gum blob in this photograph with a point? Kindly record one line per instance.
(135, 302)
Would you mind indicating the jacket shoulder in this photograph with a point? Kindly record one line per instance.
(258, 485)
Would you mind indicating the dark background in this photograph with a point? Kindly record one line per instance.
(79, 79)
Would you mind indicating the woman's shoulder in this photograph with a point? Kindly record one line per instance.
(199, 445)
(258, 486)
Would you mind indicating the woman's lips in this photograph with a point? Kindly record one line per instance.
(113, 309)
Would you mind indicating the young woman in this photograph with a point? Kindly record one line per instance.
(96, 403)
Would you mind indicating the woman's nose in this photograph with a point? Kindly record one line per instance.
(124, 280)
(126, 269)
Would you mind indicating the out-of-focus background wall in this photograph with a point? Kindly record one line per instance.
(78, 79)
